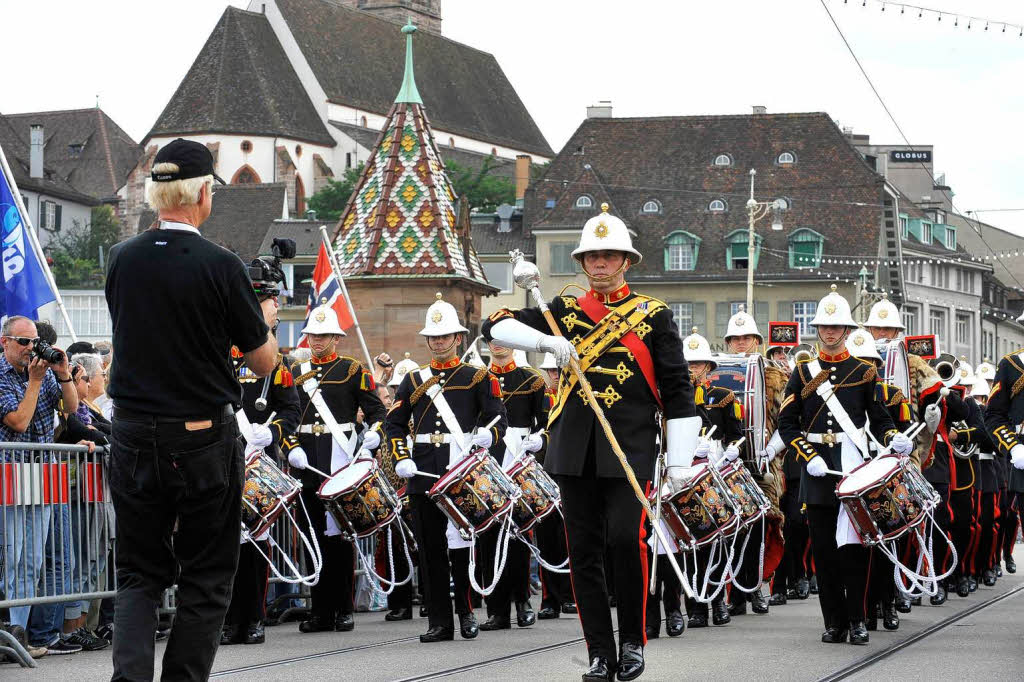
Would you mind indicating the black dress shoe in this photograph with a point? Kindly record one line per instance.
(834, 636)
(890, 618)
(777, 599)
(758, 604)
(939, 598)
(916, 601)
(999, 570)
(972, 583)
(1011, 565)
(698, 618)
(812, 585)
(719, 612)
(525, 617)
(547, 613)
(738, 608)
(988, 577)
(569, 607)
(631, 661)
(871, 624)
(858, 633)
(902, 604)
(231, 634)
(316, 624)
(653, 631)
(496, 623)
(437, 633)
(803, 588)
(344, 622)
(674, 623)
(599, 670)
(963, 589)
(254, 634)
(398, 614)
(467, 626)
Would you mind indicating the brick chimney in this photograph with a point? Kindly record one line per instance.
(426, 14)
(522, 176)
(35, 156)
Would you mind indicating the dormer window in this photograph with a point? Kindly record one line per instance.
(786, 158)
(718, 206)
(651, 206)
(723, 160)
(584, 201)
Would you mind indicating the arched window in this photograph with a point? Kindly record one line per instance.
(681, 250)
(584, 201)
(786, 157)
(736, 252)
(245, 176)
(651, 206)
(718, 206)
(300, 196)
(805, 247)
(723, 160)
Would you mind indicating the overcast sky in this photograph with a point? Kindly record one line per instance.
(959, 90)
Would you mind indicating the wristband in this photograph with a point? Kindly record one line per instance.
(64, 381)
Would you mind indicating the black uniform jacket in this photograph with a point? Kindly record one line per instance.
(282, 399)
(524, 395)
(804, 411)
(472, 393)
(940, 466)
(717, 406)
(618, 382)
(346, 387)
(1005, 412)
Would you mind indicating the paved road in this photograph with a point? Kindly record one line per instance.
(784, 645)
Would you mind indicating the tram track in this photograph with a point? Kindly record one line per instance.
(313, 656)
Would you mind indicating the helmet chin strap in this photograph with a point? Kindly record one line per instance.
(447, 351)
(841, 343)
(606, 278)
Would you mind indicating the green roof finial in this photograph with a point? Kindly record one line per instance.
(409, 93)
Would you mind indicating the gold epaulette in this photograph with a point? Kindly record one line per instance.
(727, 399)
(302, 377)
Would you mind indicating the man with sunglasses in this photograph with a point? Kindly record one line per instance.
(30, 389)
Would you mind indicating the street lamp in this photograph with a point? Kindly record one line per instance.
(755, 211)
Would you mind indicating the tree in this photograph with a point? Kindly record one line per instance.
(74, 254)
(484, 191)
(330, 201)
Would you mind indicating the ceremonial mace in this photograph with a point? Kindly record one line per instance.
(527, 276)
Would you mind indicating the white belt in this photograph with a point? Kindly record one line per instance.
(985, 457)
(321, 429)
(435, 438)
(827, 438)
(520, 431)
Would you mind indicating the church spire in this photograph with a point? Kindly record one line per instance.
(409, 94)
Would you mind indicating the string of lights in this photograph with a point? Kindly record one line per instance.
(956, 19)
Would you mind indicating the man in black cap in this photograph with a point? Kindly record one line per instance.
(176, 455)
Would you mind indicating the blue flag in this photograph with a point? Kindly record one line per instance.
(25, 284)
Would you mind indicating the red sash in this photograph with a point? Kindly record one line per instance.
(596, 311)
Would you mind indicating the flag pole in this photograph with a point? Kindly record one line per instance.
(34, 241)
(344, 292)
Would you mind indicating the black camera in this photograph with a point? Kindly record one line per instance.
(266, 272)
(47, 353)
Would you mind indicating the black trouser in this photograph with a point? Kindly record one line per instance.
(436, 569)
(461, 587)
(842, 571)
(988, 533)
(748, 574)
(1010, 515)
(401, 595)
(703, 561)
(882, 583)
(961, 522)
(791, 568)
(333, 594)
(249, 594)
(600, 513)
(163, 474)
(550, 534)
(516, 572)
(667, 591)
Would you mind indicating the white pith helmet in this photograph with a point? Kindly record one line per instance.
(885, 314)
(985, 370)
(402, 367)
(605, 232)
(861, 344)
(442, 319)
(323, 320)
(833, 309)
(742, 324)
(697, 349)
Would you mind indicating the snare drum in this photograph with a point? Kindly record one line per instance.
(475, 493)
(540, 494)
(746, 493)
(360, 498)
(884, 498)
(700, 511)
(895, 364)
(266, 494)
(744, 376)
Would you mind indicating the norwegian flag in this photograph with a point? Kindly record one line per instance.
(326, 290)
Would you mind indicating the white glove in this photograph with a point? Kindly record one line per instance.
(371, 441)
(682, 438)
(262, 436)
(702, 450)
(932, 417)
(1017, 456)
(678, 476)
(560, 347)
(731, 453)
(533, 442)
(364, 454)
(406, 468)
(769, 452)
(297, 458)
(901, 445)
(482, 438)
(817, 467)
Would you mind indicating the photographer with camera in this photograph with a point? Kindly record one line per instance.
(34, 377)
(176, 459)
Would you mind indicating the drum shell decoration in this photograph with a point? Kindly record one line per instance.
(540, 495)
(700, 511)
(748, 496)
(475, 494)
(889, 507)
(266, 493)
(744, 376)
(365, 506)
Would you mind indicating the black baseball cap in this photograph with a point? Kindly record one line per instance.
(193, 159)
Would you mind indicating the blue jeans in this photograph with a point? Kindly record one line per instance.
(23, 531)
(91, 543)
(47, 620)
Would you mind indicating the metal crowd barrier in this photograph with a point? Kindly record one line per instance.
(56, 531)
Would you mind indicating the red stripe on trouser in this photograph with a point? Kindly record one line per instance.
(643, 563)
(997, 530)
(867, 581)
(572, 585)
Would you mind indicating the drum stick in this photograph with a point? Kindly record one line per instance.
(316, 471)
(270, 418)
(834, 473)
(424, 473)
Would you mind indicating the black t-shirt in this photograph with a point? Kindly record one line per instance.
(178, 303)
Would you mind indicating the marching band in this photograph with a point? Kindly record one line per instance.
(650, 470)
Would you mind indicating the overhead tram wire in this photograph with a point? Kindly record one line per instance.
(899, 129)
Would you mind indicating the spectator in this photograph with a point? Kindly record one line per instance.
(80, 347)
(95, 380)
(30, 389)
(102, 400)
(46, 332)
